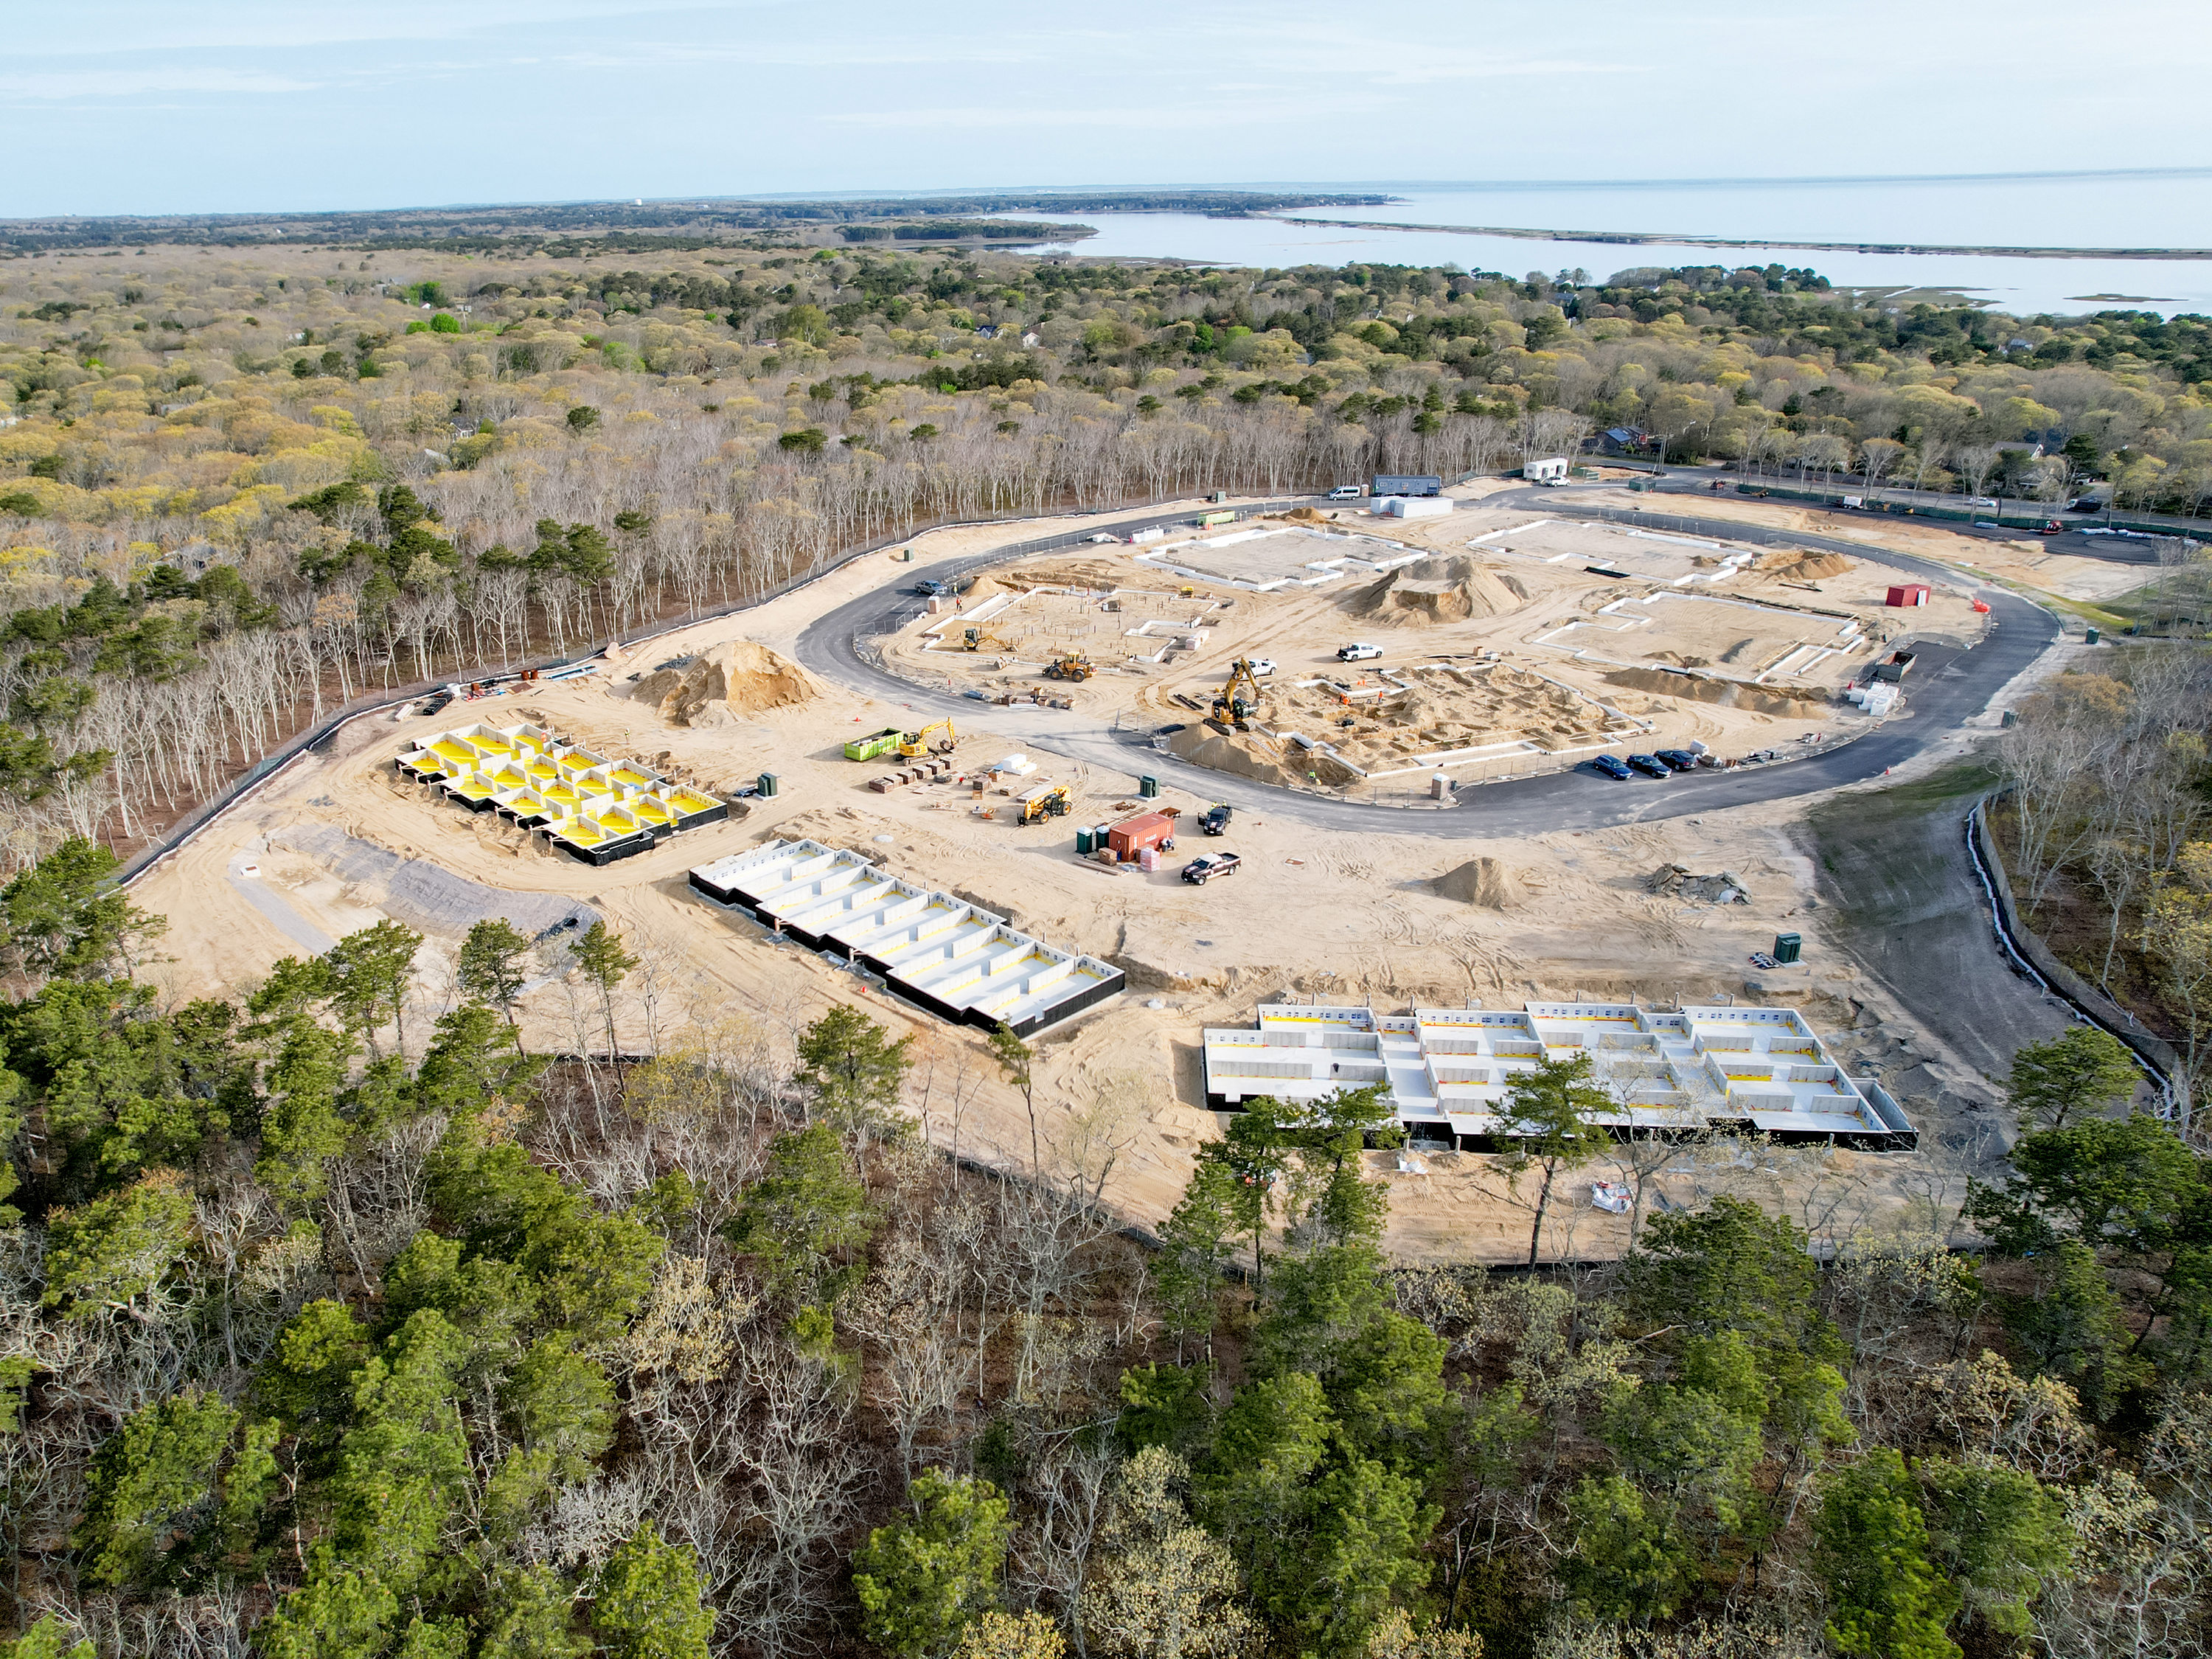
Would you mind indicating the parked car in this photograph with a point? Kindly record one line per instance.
(1681, 760)
(1262, 666)
(1612, 765)
(1650, 765)
(1216, 821)
(1345, 492)
(1198, 872)
(1357, 653)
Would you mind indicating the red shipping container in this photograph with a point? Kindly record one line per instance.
(1132, 835)
(1910, 593)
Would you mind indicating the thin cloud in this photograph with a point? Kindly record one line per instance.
(58, 86)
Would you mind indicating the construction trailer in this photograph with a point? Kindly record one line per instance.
(1401, 484)
(1545, 471)
(958, 961)
(1448, 1072)
(1152, 830)
(594, 808)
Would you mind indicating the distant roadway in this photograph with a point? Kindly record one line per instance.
(1946, 688)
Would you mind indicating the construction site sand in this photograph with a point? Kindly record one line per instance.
(1456, 588)
(2067, 575)
(1693, 630)
(1457, 707)
(1301, 629)
(1312, 914)
(723, 683)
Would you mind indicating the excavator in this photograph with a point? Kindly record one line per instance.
(1239, 700)
(914, 744)
(1076, 668)
(981, 639)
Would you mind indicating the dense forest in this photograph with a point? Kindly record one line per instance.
(321, 1334)
(237, 488)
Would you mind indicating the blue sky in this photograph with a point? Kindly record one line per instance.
(195, 106)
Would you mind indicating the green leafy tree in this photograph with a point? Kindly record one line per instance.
(152, 1484)
(1886, 1599)
(1628, 1564)
(48, 1639)
(2072, 1327)
(1998, 1535)
(66, 917)
(529, 1614)
(646, 1603)
(600, 957)
(302, 1126)
(1548, 1112)
(491, 967)
(803, 1216)
(114, 1255)
(368, 977)
(920, 1582)
(2085, 1073)
(850, 1068)
(1195, 1249)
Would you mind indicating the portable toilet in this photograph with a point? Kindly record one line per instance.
(1788, 947)
(1086, 840)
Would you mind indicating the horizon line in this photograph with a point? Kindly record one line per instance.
(1737, 181)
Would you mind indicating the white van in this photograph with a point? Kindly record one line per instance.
(1345, 492)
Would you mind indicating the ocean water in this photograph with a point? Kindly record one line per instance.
(2170, 211)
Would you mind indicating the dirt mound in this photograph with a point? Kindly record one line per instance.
(1485, 882)
(1203, 746)
(1676, 881)
(1302, 515)
(723, 683)
(1796, 564)
(1807, 705)
(1431, 591)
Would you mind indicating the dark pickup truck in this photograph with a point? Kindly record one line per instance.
(1198, 872)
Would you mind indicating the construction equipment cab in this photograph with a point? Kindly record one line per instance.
(914, 744)
(1238, 700)
(1216, 821)
(1047, 801)
(1076, 668)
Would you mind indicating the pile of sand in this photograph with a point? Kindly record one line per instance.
(1302, 515)
(724, 683)
(1247, 757)
(1444, 590)
(1675, 881)
(1796, 564)
(1485, 882)
(1788, 703)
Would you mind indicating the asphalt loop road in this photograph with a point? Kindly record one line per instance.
(1946, 688)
